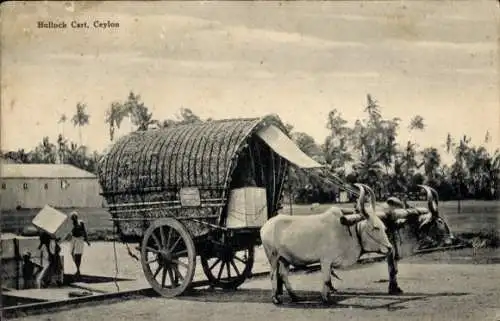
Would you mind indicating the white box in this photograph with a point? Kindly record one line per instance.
(8, 248)
(53, 222)
(247, 207)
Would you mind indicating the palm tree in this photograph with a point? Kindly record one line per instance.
(431, 163)
(306, 143)
(479, 164)
(114, 117)
(372, 108)
(188, 117)
(495, 173)
(45, 152)
(19, 156)
(62, 148)
(167, 123)
(409, 154)
(417, 122)
(459, 171)
(487, 137)
(138, 113)
(77, 155)
(62, 120)
(81, 118)
(142, 118)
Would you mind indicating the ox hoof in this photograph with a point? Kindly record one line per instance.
(276, 300)
(394, 289)
(294, 297)
(325, 298)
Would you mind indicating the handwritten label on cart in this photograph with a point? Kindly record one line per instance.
(190, 197)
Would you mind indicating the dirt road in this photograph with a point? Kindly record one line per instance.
(432, 292)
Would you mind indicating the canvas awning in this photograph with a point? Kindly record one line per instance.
(286, 148)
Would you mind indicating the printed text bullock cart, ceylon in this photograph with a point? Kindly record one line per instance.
(200, 189)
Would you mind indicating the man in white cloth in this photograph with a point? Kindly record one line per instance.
(78, 238)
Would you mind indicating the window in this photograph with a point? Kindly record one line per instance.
(4, 186)
(46, 186)
(25, 185)
(64, 184)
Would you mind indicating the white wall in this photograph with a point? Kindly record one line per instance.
(81, 192)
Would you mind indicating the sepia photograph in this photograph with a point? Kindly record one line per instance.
(250, 160)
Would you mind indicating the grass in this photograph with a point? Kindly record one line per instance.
(477, 221)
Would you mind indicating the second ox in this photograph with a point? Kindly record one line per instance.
(411, 229)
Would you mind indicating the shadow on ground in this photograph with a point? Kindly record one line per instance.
(70, 278)
(312, 299)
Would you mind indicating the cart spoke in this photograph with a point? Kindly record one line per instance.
(162, 236)
(152, 260)
(235, 268)
(180, 263)
(167, 244)
(155, 238)
(241, 260)
(220, 271)
(175, 244)
(157, 271)
(173, 280)
(180, 253)
(228, 270)
(213, 265)
(150, 249)
(163, 277)
(177, 273)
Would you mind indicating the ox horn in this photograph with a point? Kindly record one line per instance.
(436, 196)
(361, 199)
(372, 198)
(432, 199)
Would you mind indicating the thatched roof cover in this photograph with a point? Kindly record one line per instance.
(199, 154)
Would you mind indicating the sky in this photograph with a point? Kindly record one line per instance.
(249, 59)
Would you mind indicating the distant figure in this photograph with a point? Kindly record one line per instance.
(78, 237)
(50, 246)
(30, 268)
(56, 269)
(44, 241)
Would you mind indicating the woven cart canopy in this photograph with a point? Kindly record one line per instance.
(199, 154)
(144, 174)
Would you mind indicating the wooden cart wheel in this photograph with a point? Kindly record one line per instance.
(168, 257)
(229, 268)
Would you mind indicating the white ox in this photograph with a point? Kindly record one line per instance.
(321, 238)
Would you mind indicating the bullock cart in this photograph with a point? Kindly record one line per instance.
(200, 190)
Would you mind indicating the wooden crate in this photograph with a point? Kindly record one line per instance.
(247, 207)
(53, 222)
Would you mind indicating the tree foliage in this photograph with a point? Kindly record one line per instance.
(365, 151)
